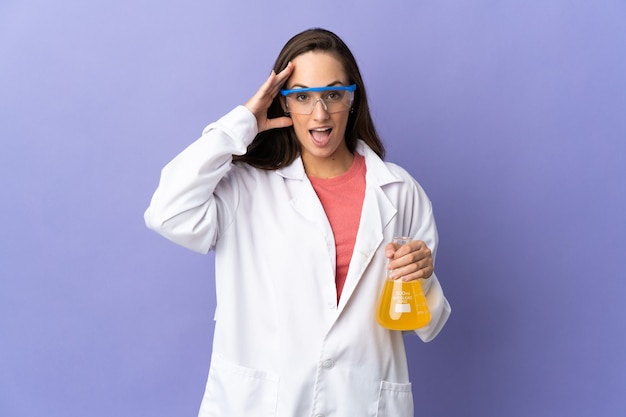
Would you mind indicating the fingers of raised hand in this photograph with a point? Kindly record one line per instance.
(275, 81)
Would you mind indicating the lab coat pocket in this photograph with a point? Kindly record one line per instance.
(234, 391)
(395, 400)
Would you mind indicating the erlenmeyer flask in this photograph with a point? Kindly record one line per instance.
(402, 305)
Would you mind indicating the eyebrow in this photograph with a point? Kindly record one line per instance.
(334, 83)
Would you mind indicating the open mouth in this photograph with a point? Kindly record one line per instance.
(321, 136)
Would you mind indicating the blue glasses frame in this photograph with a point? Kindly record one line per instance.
(350, 88)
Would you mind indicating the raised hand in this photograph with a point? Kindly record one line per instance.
(262, 99)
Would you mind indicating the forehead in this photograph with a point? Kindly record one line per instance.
(317, 69)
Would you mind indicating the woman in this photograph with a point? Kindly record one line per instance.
(292, 194)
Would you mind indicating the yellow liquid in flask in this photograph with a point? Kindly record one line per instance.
(402, 305)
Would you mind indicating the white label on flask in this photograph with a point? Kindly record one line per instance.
(403, 308)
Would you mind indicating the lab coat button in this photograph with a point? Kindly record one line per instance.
(328, 364)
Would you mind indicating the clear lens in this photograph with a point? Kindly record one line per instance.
(334, 101)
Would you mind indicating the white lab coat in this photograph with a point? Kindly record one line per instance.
(282, 346)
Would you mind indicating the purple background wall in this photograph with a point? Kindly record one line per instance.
(511, 114)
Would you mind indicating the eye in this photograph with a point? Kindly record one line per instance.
(334, 95)
(301, 97)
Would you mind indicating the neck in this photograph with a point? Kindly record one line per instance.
(328, 167)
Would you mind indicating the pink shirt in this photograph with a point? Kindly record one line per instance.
(342, 199)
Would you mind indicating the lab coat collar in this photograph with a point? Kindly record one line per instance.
(381, 175)
(293, 171)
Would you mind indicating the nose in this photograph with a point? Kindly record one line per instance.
(320, 112)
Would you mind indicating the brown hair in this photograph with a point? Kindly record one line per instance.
(273, 149)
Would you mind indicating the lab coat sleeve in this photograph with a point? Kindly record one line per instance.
(424, 221)
(439, 309)
(184, 207)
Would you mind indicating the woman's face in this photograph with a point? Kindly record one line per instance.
(321, 134)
